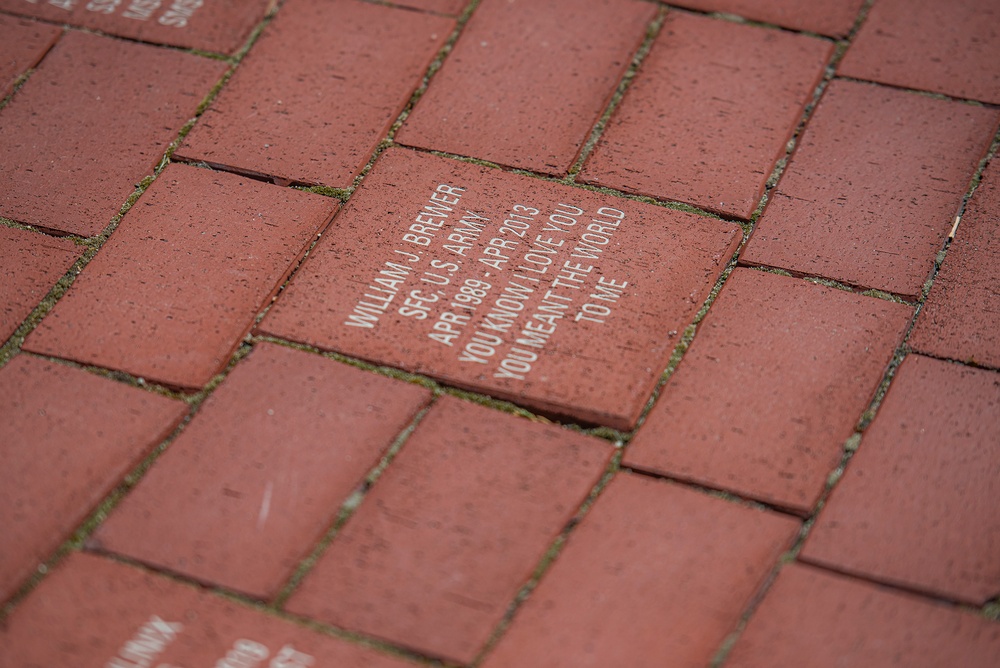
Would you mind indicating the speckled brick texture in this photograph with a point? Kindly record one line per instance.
(452, 530)
(22, 45)
(171, 294)
(917, 505)
(96, 612)
(951, 48)
(961, 318)
(869, 196)
(515, 62)
(449, 7)
(327, 102)
(830, 17)
(821, 620)
(32, 264)
(655, 575)
(252, 484)
(773, 385)
(565, 300)
(87, 127)
(67, 439)
(709, 114)
(217, 25)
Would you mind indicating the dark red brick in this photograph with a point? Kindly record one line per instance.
(94, 119)
(961, 318)
(171, 294)
(870, 194)
(216, 25)
(442, 543)
(777, 377)
(951, 48)
(596, 372)
(684, 130)
(655, 575)
(66, 439)
(251, 485)
(917, 505)
(96, 612)
(310, 108)
(22, 45)
(32, 263)
(527, 80)
(451, 7)
(817, 619)
(830, 17)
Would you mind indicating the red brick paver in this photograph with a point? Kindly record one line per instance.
(870, 195)
(944, 47)
(562, 299)
(215, 25)
(817, 619)
(90, 124)
(917, 505)
(830, 17)
(171, 294)
(655, 575)
(516, 62)
(455, 526)
(22, 45)
(32, 263)
(773, 385)
(451, 7)
(251, 485)
(328, 101)
(709, 114)
(66, 439)
(95, 612)
(961, 318)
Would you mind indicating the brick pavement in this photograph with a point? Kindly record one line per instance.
(499, 333)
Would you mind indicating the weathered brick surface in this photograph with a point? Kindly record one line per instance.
(32, 263)
(450, 7)
(774, 383)
(528, 79)
(67, 438)
(456, 524)
(655, 575)
(709, 114)
(171, 294)
(250, 486)
(869, 196)
(22, 45)
(94, 120)
(951, 48)
(309, 107)
(961, 318)
(917, 505)
(830, 17)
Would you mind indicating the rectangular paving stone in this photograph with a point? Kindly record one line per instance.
(830, 17)
(655, 575)
(951, 48)
(709, 114)
(450, 7)
(455, 526)
(961, 317)
(249, 487)
(917, 505)
(870, 194)
(565, 300)
(821, 620)
(778, 375)
(178, 285)
(209, 25)
(22, 45)
(527, 80)
(94, 119)
(32, 264)
(309, 105)
(66, 439)
(96, 612)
